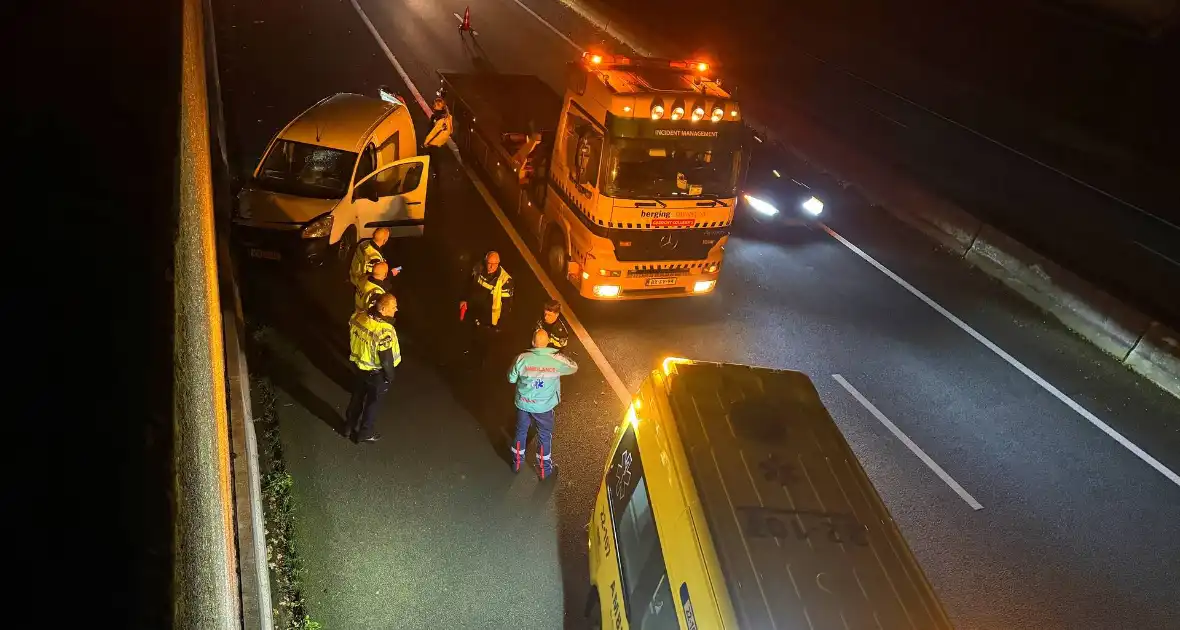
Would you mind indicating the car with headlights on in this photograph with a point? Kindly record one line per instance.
(341, 169)
(777, 192)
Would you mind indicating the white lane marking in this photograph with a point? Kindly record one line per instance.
(550, 26)
(460, 18)
(905, 439)
(1069, 402)
(1158, 253)
(580, 331)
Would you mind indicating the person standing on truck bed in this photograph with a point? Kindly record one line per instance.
(441, 126)
(374, 352)
(488, 297)
(368, 253)
(537, 376)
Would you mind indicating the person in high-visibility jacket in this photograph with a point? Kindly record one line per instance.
(374, 352)
(550, 322)
(368, 253)
(487, 300)
(537, 376)
(441, 126)
(373, 287)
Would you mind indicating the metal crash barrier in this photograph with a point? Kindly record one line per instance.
(220, 578)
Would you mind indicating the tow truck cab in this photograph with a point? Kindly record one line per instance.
(344, 167)
(626, 184)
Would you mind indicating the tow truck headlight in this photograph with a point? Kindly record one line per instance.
(813, 206)
(718, 114)
(319, 228)
(698, 113)
(677, 113)
(703, 286)
(759, 206)
(606, 290)
(712, 268)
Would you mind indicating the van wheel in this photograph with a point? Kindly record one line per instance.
(345, 247)
(556, 260)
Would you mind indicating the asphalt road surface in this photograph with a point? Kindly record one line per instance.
(428, 528)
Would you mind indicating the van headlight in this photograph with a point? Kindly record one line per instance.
(319, 228)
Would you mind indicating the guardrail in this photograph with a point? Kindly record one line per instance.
(217, 511)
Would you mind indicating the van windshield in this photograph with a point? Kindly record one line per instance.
(305, 170)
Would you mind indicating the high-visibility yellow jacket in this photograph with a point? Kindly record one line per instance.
(373, 343)
(363, 260)
(367, 294)
(440, 133)
(487, 295)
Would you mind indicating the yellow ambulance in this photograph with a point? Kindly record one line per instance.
(732, 500)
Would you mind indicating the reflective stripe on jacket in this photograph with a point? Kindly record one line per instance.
(537, 375)
(367, 294)
(363, 260)
(499, 290)
(368, 337)
(559, 336)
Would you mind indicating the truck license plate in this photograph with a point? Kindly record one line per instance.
(262, 253)
(660, 282)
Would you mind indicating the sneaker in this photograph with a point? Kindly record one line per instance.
(547, 477)
(372, 438)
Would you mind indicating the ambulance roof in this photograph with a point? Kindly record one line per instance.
(801, 534)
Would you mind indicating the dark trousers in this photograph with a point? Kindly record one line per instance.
(543, 420)
(368, 387)
(481, 340)
(435, 154)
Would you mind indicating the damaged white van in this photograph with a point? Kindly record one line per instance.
(341, 169)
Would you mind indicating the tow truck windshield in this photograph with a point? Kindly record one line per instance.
(304, 170)
(639, 168)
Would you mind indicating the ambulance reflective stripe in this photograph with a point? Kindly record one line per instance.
(498, 291)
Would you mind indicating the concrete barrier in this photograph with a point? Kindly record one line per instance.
(1104, 321)
(1157, 357)
(1145, 346)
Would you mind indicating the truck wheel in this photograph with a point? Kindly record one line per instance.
(556, 260)
(345, 247)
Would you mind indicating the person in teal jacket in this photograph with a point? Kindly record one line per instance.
(537, 376)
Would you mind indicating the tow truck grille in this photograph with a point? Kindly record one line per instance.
(648, 271)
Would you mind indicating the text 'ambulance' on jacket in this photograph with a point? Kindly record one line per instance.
(537, 374)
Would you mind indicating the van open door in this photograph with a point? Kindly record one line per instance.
(393, 197)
